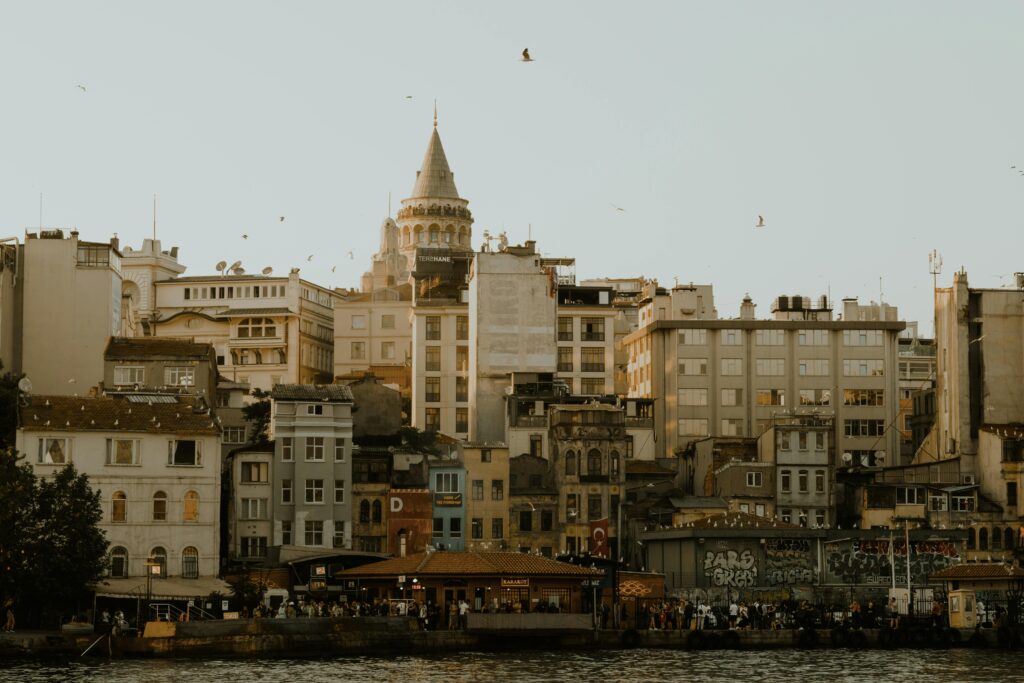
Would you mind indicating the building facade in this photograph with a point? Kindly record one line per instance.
(487, 507)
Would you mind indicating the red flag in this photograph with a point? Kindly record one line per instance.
(599, 537)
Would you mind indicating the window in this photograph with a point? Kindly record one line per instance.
(564, 329)
(693, 366)
(565, 358)
(339, 450)
(536, 446)
(693, 397)
(863, 397)
(431, 419)
(497, 527)
(432, 389)
(180, 376)
(339, 491)
(863, 368)
(526, 520)
(254, 546)
(595, 508)
(377, 512)
(693, 337)
(547, 520)
(462, 389)
(119, 562)
(755, 479)
(159, 558)
(315, 409)
(592, 329)
(909, 496)
(963, 504)
(771, 397)
(819, 481)
(693, 427)
(255, 472)
(462, 420)
(1011, 494)
(572, 506)
(256, 327)
(785, 481)
(286, 491)
(159, 506)
(127, 375)
(592, 386)
(802, 440)
(184, 453)
(802, 481)
(119, 507)
(785, 437)
(731, 337)
(485, 455)
(570, 464)
(732, 367)
(813, 367)
(478, 489)
(455, 527)
(770, 367)
(234, 435)
(286, 532)
(732, 426)
(358, 322)
(862, 337)
(864, 427)
(462, 327)
(358, 350)
(732, 397)
(387, 350)
(592, 359)
(594, 462)
(446, 482)
(433, 328)
(364, 512)
(812, 338)
(819, 518)
(314, 446)
(286, 448)
(54, 451)
(462, 359)
(314, 532)
(769, 337)
(387, 321)
(314, 490)
(476, 528)
(433, 359)
(190, 510)
(815, 397)
(122, 452)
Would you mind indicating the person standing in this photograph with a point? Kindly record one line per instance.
(9, 623)
(734, 611)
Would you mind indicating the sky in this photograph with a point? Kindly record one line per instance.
(867, 134)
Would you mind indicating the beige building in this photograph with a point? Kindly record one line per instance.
(156, 466)
(266, 329)
(586, 340)
(487, 477)
(710, 376)
(373, 331)
(141, 270)
(10, 306)
(250, 525)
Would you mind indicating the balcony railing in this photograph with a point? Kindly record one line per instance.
(531, 421)
(640, 422)
(593, 367)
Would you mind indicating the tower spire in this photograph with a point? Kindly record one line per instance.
(435, 113)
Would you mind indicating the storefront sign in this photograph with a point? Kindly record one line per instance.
(515, 583)
(448, 500)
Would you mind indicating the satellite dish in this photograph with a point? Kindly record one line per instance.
(221, 265)
(238, 271)
(25, 385)
(268, 270)
(847, 458)
(234, 265)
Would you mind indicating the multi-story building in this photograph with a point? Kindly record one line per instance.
(373, 332)
(141, 270)
(371, 484)
(487, 508)
(312, 468)
(266, 329)
(800, 446)
(731, 377)
(917, 377)
(748, 487)
(156, 466)
(10, 306)
(132, 364)
(250, 527)
(534, 523)
(447, 485)
(586, 340)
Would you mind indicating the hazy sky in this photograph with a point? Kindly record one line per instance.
(866, 133)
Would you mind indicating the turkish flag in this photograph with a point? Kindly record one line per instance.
(599, 537)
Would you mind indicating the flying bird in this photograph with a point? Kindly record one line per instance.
(332, 268)
(245, 237)
(282, 219)
(309, 258)
(760, 221)
(350, 256)
(81, 87)
(526, 55)
(617, 208)
(408, 97)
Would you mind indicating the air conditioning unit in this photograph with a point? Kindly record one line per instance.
(969, 479)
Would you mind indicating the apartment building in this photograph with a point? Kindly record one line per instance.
(731, 377)
(534, 522)
(447, 486)
(487, 507)
(371, 486)
(917, 377)
(373, 332)
(250, 527)
(800, 446)
(586, 339)
(312, 470)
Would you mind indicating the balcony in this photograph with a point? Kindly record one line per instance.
(639, 422)
(595, 479)
(531, 421)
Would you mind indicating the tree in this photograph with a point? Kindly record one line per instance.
(9, 395)
(17, 522)
(258, 413)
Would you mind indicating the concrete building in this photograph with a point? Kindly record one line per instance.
(800, 446)
(132, 364)
(586, 340)
(917, 377)
(312, 469)
(487, 507)
(731, 377)
(534, 522)
(250, 527)
(266, 329)
(371, 485)
(10, 306)
(141, 270)
(152, 465)
(378, 407)
(447, 485)
(373, 332)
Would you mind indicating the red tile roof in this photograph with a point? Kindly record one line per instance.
(647, 467)
(142, 348)
(448, 563)
(75, 414)
(979, 571)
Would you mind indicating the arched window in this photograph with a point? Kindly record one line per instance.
(158, 557)
(159, 506)
(376, 512)
(256, 327)
(613, 459)
(449, 233)
(119, 562)
(570, 464)
(406, 235)
(971, 544)
(190, 512)
(119, 507)
(1008, 539)
(594, 461)
(364, 511)
(420, 235)
(983, 539)
(997, 538)
(190, 563)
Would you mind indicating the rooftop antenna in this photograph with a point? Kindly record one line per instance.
(235, 266)
(435, 113)
(268, 270)
(935, 267)
(154, 217)
(40, 211)
(880, 299)
(529, 231)
(221, 265)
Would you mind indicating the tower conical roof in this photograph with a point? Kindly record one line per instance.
(435, 179)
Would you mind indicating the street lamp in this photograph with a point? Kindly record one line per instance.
(152, 569)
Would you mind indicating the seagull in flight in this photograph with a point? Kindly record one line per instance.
(332, 268)
(408, 97)
(81, 87)
(760, 221)
(350, 256)
(309, 258)
(617, 208)
(245, 237)
(526, 55)
(282, 219)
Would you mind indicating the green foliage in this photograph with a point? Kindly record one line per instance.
(245, 592)
(8, 408)
(418, 440)
(258, 413)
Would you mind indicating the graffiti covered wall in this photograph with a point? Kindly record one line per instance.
(788, 562)
(867, 561)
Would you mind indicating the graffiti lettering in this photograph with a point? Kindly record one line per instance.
(854, 566)
(778, 577)
(730, 568)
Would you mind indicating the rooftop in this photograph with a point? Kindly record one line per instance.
(469, 563)
(75, 414)
(979, 571)
(311, 392)
(142, 348)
